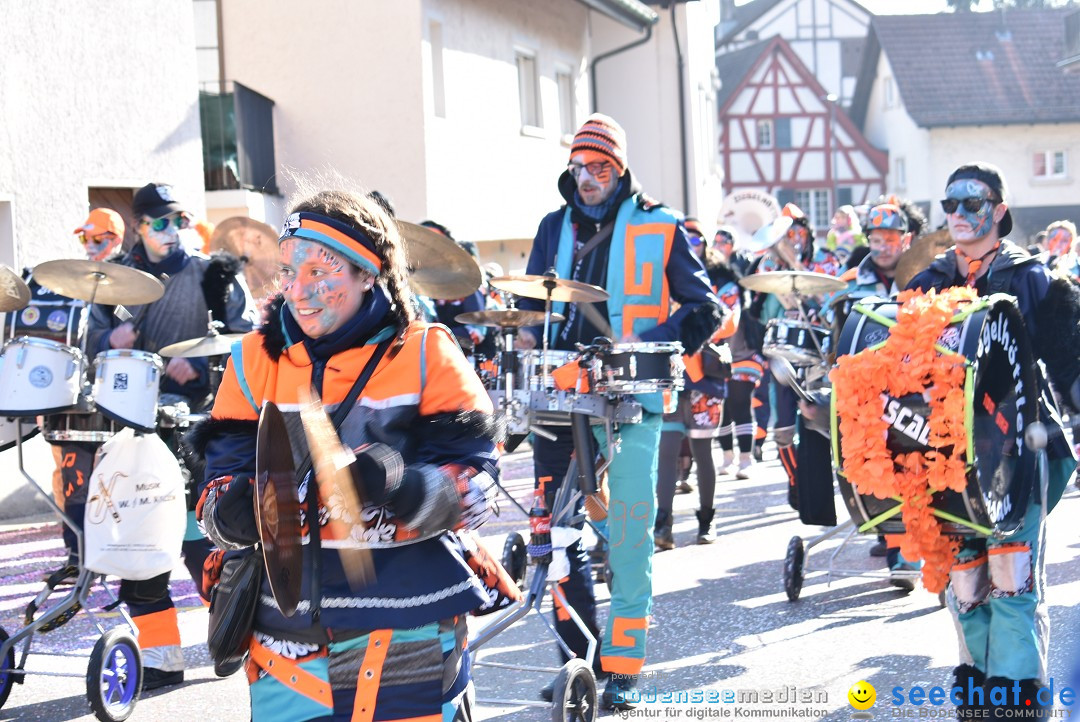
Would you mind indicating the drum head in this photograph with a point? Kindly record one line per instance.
(1005, 402)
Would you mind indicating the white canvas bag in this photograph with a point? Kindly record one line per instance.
(136, 514)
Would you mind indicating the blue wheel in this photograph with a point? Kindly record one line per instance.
(114, 676)
(7, 677)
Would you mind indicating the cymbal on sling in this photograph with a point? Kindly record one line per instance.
(277, 509)
(438, 267)
(99, 282)
(510, 318)
(14, 293)
(920, 255)
(562, 289)
(213, 345)
(803, 283)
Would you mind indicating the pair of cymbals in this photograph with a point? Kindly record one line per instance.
(438, 267)
(99, 282)
(802, 283)
(510, 318)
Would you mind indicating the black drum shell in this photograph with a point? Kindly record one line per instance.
(992, 499)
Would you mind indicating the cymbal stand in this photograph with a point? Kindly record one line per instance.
(800, 305)
(550, 279)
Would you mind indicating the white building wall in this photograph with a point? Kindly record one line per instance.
(639, 88)
(98, 93)
(345, 78)
(488, 177)
(889, 127)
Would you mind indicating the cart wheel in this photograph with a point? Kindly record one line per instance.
(114, 676)
(515, 560)
(7, 677)
(574, 694)
(609, 575)
(793, 568)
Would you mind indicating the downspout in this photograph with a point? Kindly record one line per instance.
(608, 54)
(681, 62)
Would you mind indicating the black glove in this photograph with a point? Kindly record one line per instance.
(377, 473)
(235, 512)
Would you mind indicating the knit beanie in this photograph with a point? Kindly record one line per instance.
(601, 139)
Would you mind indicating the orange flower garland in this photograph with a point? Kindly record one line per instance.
(908, 363)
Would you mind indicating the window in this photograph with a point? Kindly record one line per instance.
(567, 117)
(900, 173)
(764, 134)
(1049, 164)
(815, 204)
(438, 85)
(783, 132)
(207, 50)
(888, 93)
(528, 89)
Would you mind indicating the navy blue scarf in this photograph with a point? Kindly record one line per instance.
(600, 211)
(170, 265)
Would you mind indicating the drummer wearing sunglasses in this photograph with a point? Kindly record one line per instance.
(195, 286)
(101, 233)
(996, 591)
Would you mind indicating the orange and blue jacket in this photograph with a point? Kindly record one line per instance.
(424, 400)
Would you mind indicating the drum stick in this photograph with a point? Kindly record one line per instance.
(784, 372)
(599, 321)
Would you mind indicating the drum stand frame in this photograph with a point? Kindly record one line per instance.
(566, 498)
(77, 598)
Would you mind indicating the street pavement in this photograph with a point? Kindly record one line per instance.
(722, 623)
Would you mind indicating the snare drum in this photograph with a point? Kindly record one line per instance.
(38, 376)
(126, 386)
(794, 340)
(640, 368)
(532, 369)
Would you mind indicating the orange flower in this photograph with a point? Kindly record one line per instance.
(909, 363)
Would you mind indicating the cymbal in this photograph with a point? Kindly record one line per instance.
(331, 459)
(919, 256)
(562, 289)
(510, 318)
(14, 293)
(438, 267)
(212, 345)
(107, 283)
(803, 283)
(277, 509)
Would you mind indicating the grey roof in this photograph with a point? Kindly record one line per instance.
(733, 67)
(975, 68)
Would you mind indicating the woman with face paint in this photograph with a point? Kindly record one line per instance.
(1061, 244)
(996, 588)
(424, 437)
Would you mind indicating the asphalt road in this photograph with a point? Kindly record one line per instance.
(722, 624)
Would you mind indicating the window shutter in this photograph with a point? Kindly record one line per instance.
(783, 132)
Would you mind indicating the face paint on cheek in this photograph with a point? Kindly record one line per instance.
(1058, 242)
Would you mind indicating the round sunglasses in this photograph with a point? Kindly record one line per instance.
(160, 224)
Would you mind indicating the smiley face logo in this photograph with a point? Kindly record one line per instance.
(862, 695)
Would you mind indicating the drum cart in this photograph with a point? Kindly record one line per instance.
(1001, 406)
(114, 672)
(575, 690)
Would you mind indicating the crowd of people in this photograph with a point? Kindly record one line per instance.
(426, 437)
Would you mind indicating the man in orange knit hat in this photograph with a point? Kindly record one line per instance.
(606, 226)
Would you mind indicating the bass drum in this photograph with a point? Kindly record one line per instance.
(1001, 400)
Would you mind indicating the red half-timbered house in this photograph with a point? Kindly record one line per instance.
(782, 133)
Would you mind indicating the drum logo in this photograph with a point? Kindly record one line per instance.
(120, 382)
(950, 338)
(907, 422)
(30, 315)
(40, 376)
(57, 321)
